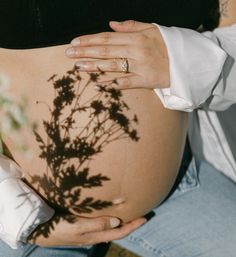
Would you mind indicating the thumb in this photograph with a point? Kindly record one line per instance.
(129, 26)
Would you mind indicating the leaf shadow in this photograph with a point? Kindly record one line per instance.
(68, 158)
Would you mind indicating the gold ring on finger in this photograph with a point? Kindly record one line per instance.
(125, 65)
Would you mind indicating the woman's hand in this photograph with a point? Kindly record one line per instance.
(140, 43)
(85, 231)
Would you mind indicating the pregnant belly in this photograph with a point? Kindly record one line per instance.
(91, 151)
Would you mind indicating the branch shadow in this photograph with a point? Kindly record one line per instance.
(68, 158)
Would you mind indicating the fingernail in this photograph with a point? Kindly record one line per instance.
(114, 222)
(97, 88)
(75, 42)
(70, 52)
(117, 22)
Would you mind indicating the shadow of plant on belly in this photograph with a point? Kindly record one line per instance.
(68, 157)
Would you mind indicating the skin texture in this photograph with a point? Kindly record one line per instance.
(140, 43)
(224, 8)
(86, 231)
(228, 12)
(141, 173)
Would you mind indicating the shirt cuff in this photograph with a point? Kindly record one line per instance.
(173, 102)
(8, 169)
(21, 209)
(195, 64)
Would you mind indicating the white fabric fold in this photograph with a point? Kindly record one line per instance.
(224, 94)
(21, 209)
(195, 63)
(203, 74)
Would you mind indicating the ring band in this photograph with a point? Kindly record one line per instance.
(125, 65)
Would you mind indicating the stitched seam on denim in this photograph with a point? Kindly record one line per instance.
(29, 250)
(143, 243)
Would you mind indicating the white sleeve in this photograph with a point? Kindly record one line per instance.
(224, 93)
(21, 209)
(202, 68)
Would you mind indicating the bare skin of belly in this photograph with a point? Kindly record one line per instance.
(128, 176)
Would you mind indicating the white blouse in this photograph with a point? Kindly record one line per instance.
(203, 76)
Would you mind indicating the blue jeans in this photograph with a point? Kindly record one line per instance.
(199, 219)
